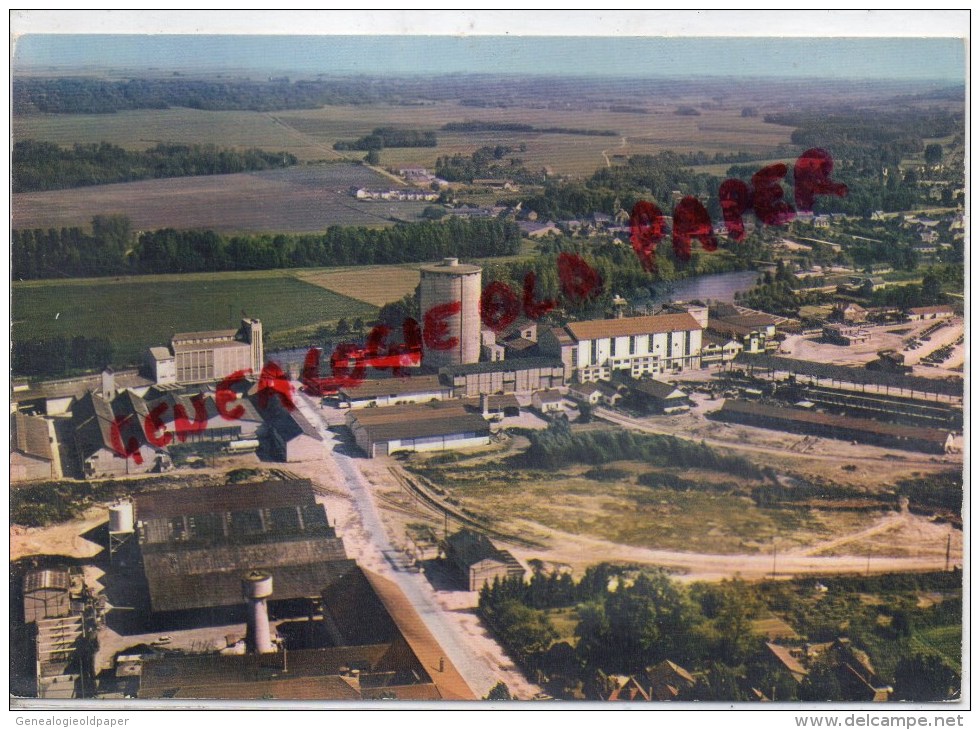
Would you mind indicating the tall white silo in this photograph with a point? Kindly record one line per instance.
(442, 284)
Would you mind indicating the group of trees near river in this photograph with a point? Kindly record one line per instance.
(112, 249)
(39, 166)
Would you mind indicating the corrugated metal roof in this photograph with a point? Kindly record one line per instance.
(841, 423)
(950, 385)
(503, 366)
(648, 325)
(50, 578)
(448, 423)
(204, 335)
(29, 435)
(223, 498)
(394, 387)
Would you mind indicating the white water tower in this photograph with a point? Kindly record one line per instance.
(121, 526)
(256, 588)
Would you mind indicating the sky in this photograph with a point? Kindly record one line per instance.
(846, 58)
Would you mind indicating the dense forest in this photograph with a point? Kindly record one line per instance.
(389, 137)
(60, 355)
(46, 166)
(99, 96)
(110, 249)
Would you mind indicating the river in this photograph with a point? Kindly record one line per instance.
(716, 287)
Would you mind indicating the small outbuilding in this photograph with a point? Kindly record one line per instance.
(477, 560)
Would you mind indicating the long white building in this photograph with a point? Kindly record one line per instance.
(650, 345)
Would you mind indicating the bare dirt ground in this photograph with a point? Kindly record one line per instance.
(884, 337)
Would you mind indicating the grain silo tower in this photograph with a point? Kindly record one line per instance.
(444, 284)
(257, 587)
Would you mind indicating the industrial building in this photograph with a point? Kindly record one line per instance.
(195, 544)
(655, 396)
(291, 437)
(522, 376)
(595, 393)
(841, 334)
(755, 331)
(547, 401)
(939, 311)
(47, 594)
(177, 411)
(394, 391)
(53, 607)
(109, 439)
(364, 642)
(383, 431)
(950, 387)
(444, 285)
(719, 349)
(56, 397)
(477, 560)
(31, 455)
(889, 435)
(201, 357)
(654, 344)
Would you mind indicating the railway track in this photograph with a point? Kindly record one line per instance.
(442, 509)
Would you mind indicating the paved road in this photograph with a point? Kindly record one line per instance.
(416, 588)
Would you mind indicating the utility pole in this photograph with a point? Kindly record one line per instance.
(774, 557)
(949, 540)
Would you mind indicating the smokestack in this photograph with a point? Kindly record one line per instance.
(256, 587)
(485, 404)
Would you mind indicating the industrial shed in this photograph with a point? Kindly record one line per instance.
(367, 643)
(47, 594)
(291, 437)
(655, 396)
(98, 452)
(524, 375)
(31, 456)
(196, 543)
(215, 428)
(479, 561)
(393, 391)
(379, 432)
(863, 430)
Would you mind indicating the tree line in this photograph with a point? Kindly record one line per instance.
(39, 166)
(110, 249)
(557, 445)
(478, 126)
(100, 96)
(59, 355)
(487, 162)
(389, 137)
(628, 618)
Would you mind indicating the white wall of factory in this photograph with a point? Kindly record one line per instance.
(427, 443)
(640, 354)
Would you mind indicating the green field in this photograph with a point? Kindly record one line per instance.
(137, 312)
(944, 641)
